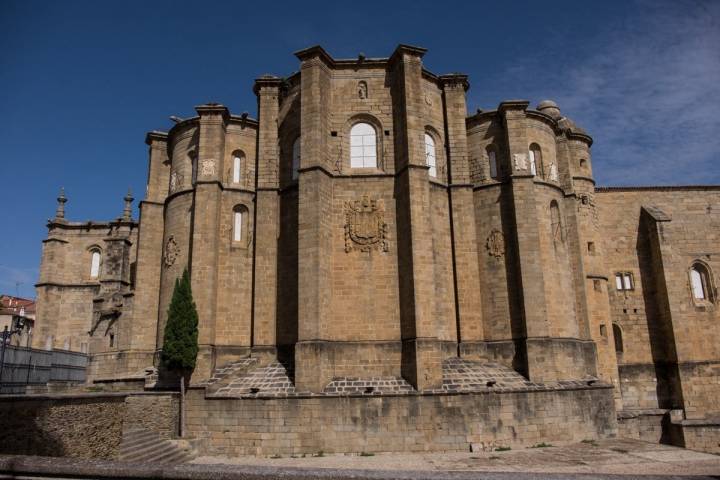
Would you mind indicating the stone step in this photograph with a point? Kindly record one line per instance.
(147, 450)
(140, 445)
(128, 438)
(174, 455)
(135, 443)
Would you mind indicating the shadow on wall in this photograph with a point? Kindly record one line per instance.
(85, 428)
(655, 299)
(20, 434)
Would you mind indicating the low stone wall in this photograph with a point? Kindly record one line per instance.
(83, 425)
(403, 423)
(700, 435)
(645, 425)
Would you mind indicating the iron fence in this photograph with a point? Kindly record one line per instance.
(29, 366)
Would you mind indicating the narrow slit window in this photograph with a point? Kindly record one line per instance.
(697, 286)
(430, 155)
(95, 264)
(237, 226)
(237, 165)
(535, 156)
(493, 163)
(531, 157)
(617, 334)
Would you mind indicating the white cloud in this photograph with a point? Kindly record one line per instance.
(648, 91)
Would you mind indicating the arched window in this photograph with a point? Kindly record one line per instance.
(238, 161)
(617, 333)
(492, 160)
(556, 227)
(238, 224)
(296, 158)
(536, 163)
(94, 263)
(430, 157)
(363, 146)
(700, 282)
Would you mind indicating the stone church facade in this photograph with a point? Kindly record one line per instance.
(365, 239)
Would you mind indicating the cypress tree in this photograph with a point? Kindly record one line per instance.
(180, 346)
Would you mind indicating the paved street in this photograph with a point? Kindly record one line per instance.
(602, 457)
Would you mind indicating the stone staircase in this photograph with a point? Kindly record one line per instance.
(227, 373)
(274, 379)
(144, 446)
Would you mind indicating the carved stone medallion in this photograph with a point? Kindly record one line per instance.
(171, 252)
(365, 227)
(208, 167)
(496, 244)
(520, 161)
(176, 181)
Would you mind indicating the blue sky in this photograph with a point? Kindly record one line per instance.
(82, 81)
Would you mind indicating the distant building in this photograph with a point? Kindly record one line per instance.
(12, 307)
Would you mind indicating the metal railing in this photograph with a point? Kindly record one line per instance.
(25, 367)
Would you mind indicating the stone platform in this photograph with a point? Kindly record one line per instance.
(248, 409)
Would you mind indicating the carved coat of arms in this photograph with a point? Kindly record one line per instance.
(176, 181)
(171, 252)
(365, 227)
(496, 244)
(520, 161)
(208, 167)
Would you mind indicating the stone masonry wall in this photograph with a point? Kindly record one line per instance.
(702, 437)
(665, 333)
(86, 426)
(410, 423)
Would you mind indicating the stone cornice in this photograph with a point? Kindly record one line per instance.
(213, 109)
(53, 223)
(314, 51)
(267, 81)
(156, 136)
(244, 121)
(452, 79)
(543, 117)
(583, 137)
(513, 105)
(407, 49)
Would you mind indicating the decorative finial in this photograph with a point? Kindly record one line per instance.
(61, 199)
(127, 211)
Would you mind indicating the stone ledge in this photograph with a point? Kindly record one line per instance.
(72, 396)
